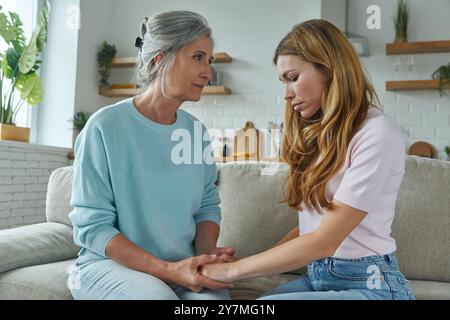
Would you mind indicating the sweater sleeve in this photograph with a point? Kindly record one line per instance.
(94, 213)
(209, 208)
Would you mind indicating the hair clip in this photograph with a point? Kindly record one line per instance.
(138, 43)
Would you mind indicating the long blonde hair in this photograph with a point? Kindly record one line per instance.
(315, 148)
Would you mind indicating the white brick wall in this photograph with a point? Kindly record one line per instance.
(24, 173)
(423, 115)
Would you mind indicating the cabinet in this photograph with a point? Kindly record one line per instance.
(419, 47)
(129, 90)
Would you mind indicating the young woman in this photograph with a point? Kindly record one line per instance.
(346, 161)
(145, 222)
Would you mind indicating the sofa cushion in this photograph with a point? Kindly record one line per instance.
(59, 192)
(422, 223)
(253, 217)
(51, 284)
(430, 290)
(35, 244)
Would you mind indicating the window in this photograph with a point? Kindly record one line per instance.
(27, 11)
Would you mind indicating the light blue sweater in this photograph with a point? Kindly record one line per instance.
(126, 182)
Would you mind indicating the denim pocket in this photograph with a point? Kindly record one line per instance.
(349, 270)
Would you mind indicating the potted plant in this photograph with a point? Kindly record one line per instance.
(19, 63)
(443, 75)
(401, 21)
(79, 120)
(105, 56)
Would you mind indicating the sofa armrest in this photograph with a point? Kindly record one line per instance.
(35, 244)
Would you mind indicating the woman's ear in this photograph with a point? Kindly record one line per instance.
(158, 57)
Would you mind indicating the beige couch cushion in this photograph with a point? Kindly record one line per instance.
(59, 192)
(51, 284)
(253, 217)
(422, 224)
(35, 244)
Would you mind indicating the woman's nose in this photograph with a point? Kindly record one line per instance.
(288, 93)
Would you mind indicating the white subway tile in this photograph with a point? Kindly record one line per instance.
(34, 219)
(443, 107)
(24, 212)
(267, 99)
(12, 188)
(409, 120)
(4, 213)
(213, 111)
(436, 121)
(5, 164)
(443, 133)
(233, 111)
(423, 107)
(397, 108)
(13, 155)
(36, 188)
(28, 196)
(5, 180)
(223, 122)
(245, 99)
(20, 180)
(239, 122)
(4, 197)
(410, 96)
(422, 133)
(195, 111)
(274, 110)
(263, 122)
(226, 100)
(11, 222)
(255, 111)
(50, 165)
(21, 164)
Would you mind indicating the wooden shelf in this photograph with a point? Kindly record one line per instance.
(129, 62)
(125, 62)
(415, 85)
(116, 93)
(418, 47)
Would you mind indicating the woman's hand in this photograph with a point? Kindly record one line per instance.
(186, 273)
(219, 271)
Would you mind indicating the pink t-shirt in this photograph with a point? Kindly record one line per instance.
(369, 181)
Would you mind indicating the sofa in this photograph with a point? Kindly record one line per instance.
(35, 259)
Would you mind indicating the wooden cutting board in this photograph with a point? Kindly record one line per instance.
(422, 149)
(247, 143)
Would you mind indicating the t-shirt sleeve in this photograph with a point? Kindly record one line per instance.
(94, 213)
(378, 154)
(209, 208)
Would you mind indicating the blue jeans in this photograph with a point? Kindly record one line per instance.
(368, 278)
(109, 280)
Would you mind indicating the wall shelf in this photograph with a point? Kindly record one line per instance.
(418, 47)
(129, 62)
(130, 92)
(415, 85)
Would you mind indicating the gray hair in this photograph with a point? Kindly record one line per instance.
(166, 32)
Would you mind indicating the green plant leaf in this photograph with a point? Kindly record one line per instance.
(9, 64)
(7, 30)
(19, 41)
(29, 55)
(30, 88)
(43, 18)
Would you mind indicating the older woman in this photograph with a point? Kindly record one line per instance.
(145, 220)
